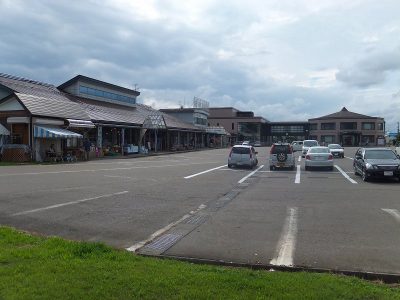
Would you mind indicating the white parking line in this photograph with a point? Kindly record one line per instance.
(251, 174)
(287, 242)
(67, 203)
(156, 234)
(209, 170)
(297, 180)
(393, 212)
(349, 157)
(299, 160)
(345, 175)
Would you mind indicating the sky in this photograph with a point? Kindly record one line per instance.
(285, 60)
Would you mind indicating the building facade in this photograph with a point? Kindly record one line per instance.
(348, 129)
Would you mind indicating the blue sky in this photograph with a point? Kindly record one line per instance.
(284, 60)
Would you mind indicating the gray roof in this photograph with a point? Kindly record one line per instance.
(43, 99)
(344, 114)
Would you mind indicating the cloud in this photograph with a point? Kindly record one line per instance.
(371, 70)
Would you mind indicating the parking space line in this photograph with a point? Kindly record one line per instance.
(297, 180)
(345, 175)
(206, 171)
(349, 157)
(159, 232)
(67, 203)
(393, 212)
(287, 242)
(251, 174)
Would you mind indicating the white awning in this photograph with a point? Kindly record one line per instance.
(3, 130)
(54, 133)
(80, 123)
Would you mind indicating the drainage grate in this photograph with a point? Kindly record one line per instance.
(197, 219)
(164, 242)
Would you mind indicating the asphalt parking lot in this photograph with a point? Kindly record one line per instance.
(192, 205)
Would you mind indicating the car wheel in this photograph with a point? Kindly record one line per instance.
(306, 168)
(271, 168)
(355, 170)
(331, 168)
(364, 175)
(229, 166)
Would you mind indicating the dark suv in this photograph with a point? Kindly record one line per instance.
(281, 156)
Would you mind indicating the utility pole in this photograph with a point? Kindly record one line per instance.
(398, 131)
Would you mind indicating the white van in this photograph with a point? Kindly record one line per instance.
(307, 144)
(297, 146)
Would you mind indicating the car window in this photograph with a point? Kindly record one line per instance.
(319, 150)
(379, 154)
(310, 143)
(334, 147)
(280, 148)
(241, 150)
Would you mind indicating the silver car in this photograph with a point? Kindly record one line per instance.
(242, 156)
(307, 144)
(297, 146)
(320, 157)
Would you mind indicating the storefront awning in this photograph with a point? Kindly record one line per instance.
(80, 123)
(3, 130)
(54, 133)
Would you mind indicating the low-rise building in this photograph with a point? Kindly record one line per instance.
(348, 129)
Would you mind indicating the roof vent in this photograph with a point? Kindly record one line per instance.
(344, 109)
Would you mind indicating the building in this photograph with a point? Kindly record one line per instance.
(241, 125)
(287, 131)
(39, 115)
(348, 129)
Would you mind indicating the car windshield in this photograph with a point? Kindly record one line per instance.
(333, 146)
(310, 143)
(379, 154)
(241, 150)
(319, 150)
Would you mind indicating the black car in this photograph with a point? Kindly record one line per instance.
(376, 162)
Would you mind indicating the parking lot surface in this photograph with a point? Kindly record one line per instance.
(192, 205)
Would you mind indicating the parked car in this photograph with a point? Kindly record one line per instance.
(257, 144)
(281, 156)
(307, 144)
(242, 156)
(336, 150)
(397, 149)
(297, 146)
(319, 157)
(376, 162)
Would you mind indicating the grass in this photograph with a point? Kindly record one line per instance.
(34, 267)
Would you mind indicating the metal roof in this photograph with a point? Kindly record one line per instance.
(344, 114)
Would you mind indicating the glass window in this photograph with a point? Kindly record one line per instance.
(314, 126)
(104, 94)
(233, 126)
(328, 126)
(328, 139)
(348, 125)
(380, 126)
(368, 126)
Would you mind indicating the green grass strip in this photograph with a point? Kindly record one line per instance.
(34, 267)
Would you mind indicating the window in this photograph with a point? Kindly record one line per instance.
(328, 139)
(380, 126)
(233, 126)
(368, 126)
(314, 126)
(328, 126)
(348, 125)
(217, 124)
(103, 94)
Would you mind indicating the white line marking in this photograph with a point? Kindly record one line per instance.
(349, 157)
(67, 203)
(100, 170)
(299, 160)
(251, 174)
(156, 234)
(393, 212)
(287, 242)
(116, 176)
(297, 180)
(209, 170)
(345, 175)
